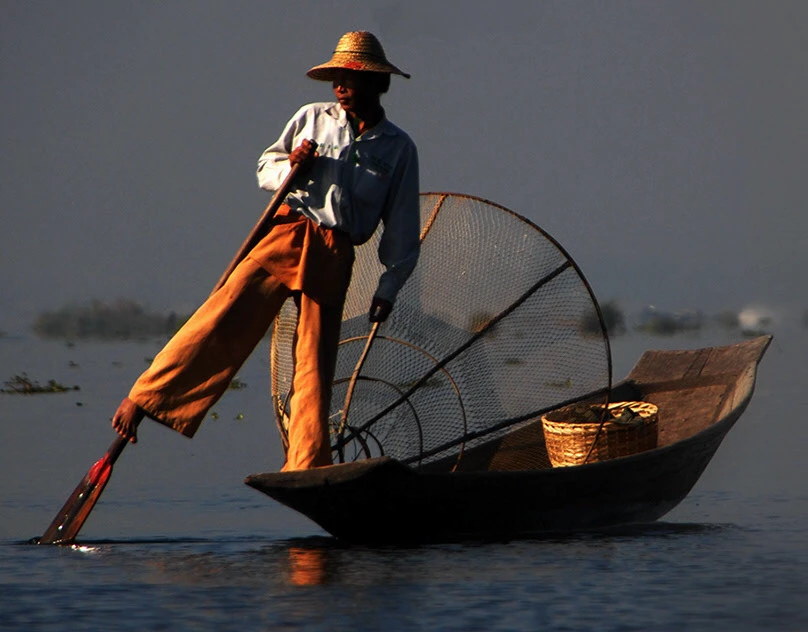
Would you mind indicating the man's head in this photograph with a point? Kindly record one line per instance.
(357, 91)
(360, 52)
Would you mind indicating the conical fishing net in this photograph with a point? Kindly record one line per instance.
(496, 326)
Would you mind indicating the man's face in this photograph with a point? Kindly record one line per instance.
(354, 90)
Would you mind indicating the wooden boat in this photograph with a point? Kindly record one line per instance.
(700, 395)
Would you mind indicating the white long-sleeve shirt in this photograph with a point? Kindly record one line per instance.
(355, 183)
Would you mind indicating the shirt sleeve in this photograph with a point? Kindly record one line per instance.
(273, 164)
(400, 243)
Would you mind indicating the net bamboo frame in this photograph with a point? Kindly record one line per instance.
(496, 326)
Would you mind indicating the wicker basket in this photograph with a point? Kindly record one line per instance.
(569, 441)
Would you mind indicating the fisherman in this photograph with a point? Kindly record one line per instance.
(364, 170)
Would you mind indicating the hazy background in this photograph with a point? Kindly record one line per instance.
(662, 143)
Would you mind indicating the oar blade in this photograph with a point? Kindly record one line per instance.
(72, 516)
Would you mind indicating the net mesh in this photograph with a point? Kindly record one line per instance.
(496, 326)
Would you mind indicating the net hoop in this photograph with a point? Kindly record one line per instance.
(445, 389)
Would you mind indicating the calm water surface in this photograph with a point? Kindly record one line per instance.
(177, 542)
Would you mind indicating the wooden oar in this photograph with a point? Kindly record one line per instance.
(262, 226)
(74, 513)
(72, 516)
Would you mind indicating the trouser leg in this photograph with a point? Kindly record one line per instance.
(196, 366)
(315, 350)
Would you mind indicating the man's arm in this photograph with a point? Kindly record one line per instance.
(276, 161)
(400, 243)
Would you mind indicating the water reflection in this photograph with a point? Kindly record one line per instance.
(322, 561)
(312, 561)
(307, 566)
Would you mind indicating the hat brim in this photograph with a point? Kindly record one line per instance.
(326, 71)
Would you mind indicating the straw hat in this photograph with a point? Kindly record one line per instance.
(357, 50)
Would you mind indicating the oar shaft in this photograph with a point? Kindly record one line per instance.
(263, 224)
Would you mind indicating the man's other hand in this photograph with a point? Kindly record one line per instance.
(379, 310)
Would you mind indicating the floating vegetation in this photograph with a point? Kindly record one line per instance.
(236, 384)
(727, 319)
(653, 321)
(23, 385)
(613, 319)
(121, 320)
(238, 417)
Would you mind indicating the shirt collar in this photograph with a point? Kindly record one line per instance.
(382, 127)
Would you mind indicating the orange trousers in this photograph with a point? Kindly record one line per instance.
(196, 366)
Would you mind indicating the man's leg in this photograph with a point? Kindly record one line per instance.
(196, 366)
(316, 343)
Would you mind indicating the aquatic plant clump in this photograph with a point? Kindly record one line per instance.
(236, 384)
(23, 385)
(653, 321)
(612, 315)
(122, 320)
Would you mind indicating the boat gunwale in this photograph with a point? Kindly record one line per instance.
(716, 426)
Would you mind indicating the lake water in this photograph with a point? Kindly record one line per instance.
(178, 542)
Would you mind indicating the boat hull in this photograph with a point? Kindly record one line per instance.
(382, 501)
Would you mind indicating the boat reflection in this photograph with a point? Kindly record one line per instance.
(307, 566)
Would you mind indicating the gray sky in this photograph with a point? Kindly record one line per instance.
(664, 144)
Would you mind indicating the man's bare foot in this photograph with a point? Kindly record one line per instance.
(126, 419)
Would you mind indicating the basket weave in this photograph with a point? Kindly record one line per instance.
(568, 441)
